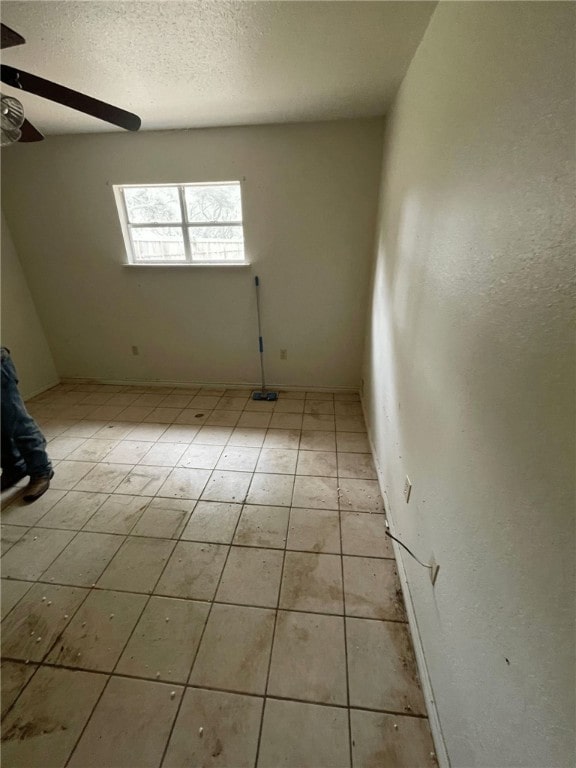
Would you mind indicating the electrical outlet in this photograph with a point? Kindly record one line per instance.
(283, 354)
(135, 350)
(434, 568)
(407, 489)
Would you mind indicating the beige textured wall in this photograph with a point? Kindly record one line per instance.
(21, 329)
(469, 371)
(310, 196)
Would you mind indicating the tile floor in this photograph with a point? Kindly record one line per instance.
(206, 583)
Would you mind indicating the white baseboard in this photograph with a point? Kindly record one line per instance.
(207, 384)
(432, 710)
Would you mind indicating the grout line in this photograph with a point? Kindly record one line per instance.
(276, 612)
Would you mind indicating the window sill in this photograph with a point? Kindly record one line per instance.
(219, 265)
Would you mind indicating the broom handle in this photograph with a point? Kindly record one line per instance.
(260, 341)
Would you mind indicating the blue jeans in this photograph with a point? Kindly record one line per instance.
(23, 445)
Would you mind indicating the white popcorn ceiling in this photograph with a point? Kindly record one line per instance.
(216, 63)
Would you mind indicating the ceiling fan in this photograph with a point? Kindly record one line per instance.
(14, 127)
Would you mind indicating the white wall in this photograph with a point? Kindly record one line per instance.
(469, 371)
(310, 196)
(21, 329)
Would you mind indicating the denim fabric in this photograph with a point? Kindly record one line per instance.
(23, 445)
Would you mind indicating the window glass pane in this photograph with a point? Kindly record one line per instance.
(213, 202)
(151, 205)
(163, 245)
(216, 243)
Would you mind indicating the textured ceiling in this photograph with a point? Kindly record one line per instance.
(210, 63)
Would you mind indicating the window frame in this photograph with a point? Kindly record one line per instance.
(183, 225)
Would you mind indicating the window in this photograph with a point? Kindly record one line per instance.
(175, 224)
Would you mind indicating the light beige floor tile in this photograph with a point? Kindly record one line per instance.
(352, 442)
(128, 452)
(286, 421)
(282, 438)
(97, 398)
(299, 735)
(116, 430)
(204, 401)
(105, 412)
(14, 676)
(148, 432)
(230, 726)
(382, 667)
(277, 461)
(144, 481)
(391, 740)
(309, 660)
(137, 565)
(312, 582)
(46, 721)
(193, 571)
(238, 459)
(93, 449)
(360, 495)
(319, 407)
(350, 424)
(347, 397)
(322, 422)
(200, 456)
(136, 413)
(162, 415)
(365, 534)
(74, 510)
(319, 463)
(247, 437)
(95, 637)
(20, 512)
(164, 518)
(34, 552)
(319, 395)
(263, 406)
(84, 559)
(235, 649)
(251, 577)
(104, 478)
(83, 428)
(165, 640)
(314, 530)
(31, 628)
(253, 419)
(163, 455)
(213, 435)
(118, 514)
(10, 534)
(130, 725)
(179, 433)
(356, 465)
(213, 521)
(121, 398)
(273, 490)
(223, 418)
(184, 483)
(347, 408)
(289, 405)
(227, 486)
(372, 589)
(232, 403)
(193, 416)
(175, 401)
(262, 526)
(61, 447)
(11, 592)
(315, 492)
(149, 399)
(68, 474)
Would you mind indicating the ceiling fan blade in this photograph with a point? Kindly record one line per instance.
(69, 98)
(29, 133)
(9, 38)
